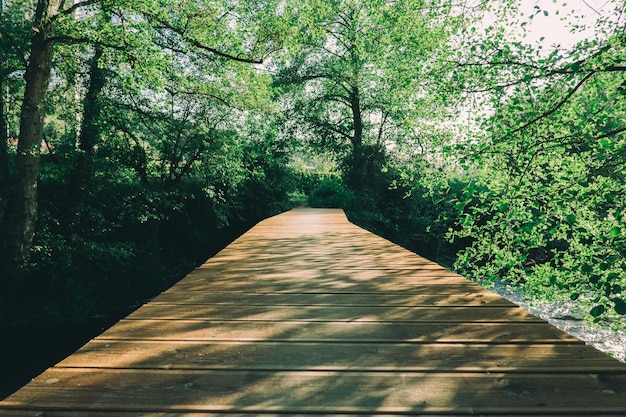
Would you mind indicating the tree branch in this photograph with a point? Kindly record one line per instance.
(77, 6)
(611, 133)
(167, 25)
(71, 40)
(333, 129)
(555, 108)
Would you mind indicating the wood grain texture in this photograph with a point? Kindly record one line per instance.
(321, 391)
(306, 314)
(428, 357)
(334, 313)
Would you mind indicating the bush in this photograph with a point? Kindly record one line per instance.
(331, 193)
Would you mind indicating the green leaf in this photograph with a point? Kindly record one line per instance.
(613, 275)
(460, 206)
(574, 296)
(620, 307)
(597, 310)
(575, 67)
(615, 231)
(571, 219)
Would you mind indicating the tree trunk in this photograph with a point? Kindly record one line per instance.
(357, 117)
(82, 170)
(90, 130)
(4, 155)
(355, 174)
(23, 210)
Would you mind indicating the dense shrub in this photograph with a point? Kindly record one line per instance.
(331, 193)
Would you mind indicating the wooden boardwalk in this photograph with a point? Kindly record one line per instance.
(307, 314)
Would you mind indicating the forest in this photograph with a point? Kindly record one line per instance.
(138, 137)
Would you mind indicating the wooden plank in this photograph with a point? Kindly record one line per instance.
(364, 280)
(335, 313)
(121, 413)
(323, 286)
(322, 262)
(390, 332)
(307, 356)
(280, 250)
(301, 392)
(351, 253)
(331, 299)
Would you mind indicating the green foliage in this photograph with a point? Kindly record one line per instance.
(357, 82)
(331, 193)
(134, 239)
(191, 139)
(171, 156)
(543, 201)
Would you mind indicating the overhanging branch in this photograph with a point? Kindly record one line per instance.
(556, 107)
(200, 45)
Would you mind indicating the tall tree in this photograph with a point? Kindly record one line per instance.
(227, 37)
(362, 66)
(23, 211)
(14, 34)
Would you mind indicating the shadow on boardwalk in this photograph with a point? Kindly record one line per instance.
(307, 314)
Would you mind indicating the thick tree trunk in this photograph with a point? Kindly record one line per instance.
(23, 210)
(355, 174)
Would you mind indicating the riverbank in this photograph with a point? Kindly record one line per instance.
(568, 316)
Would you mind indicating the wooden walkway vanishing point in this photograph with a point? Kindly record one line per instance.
(307, 314)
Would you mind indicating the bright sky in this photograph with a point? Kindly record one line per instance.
(555, 27)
